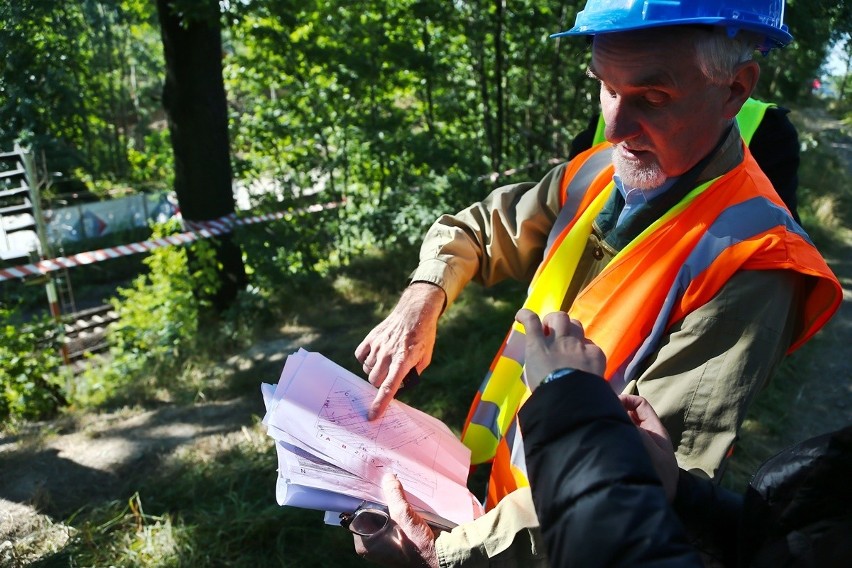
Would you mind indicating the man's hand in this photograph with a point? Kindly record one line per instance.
(405, 339)
(556, 343)
(406, 540)
(656, 440)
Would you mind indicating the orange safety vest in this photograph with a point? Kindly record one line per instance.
(735, 222)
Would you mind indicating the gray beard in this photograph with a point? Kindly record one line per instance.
(640, 176)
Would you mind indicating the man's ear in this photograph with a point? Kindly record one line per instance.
(741, 86)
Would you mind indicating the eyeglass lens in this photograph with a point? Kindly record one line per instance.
(367, 522)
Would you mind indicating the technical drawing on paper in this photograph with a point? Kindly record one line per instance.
(342, 421)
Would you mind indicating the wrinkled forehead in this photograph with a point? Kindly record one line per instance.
(675, 42)
(654, 56)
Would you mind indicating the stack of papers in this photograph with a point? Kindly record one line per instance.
(330, 457)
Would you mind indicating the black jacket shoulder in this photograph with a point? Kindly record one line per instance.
(598, 498)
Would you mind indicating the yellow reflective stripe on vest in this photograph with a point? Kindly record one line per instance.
(548, 288)
(504, 387)
(748, 119)
(680, 206)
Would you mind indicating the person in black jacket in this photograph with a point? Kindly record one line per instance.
(600, 484)
(597, 494)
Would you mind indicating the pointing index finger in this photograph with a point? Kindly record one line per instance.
(387, 390)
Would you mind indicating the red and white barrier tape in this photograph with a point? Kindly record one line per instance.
(198, 230)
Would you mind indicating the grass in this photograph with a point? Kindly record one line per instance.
(216, 507)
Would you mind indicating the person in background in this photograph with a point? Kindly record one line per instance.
(668, 244)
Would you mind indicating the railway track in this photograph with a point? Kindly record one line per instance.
(85, 333)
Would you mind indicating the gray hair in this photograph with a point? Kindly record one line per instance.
(718, 55)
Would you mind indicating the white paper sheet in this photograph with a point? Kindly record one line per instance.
(318, 415)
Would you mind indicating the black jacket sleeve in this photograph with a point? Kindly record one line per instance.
(775, 147)
(798, 506)
(797, 510)
(711, 515)
(597, 496)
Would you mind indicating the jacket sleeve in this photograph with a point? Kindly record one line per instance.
(597, 496)
(507, 535)
(501, 237)
(710, 365)
(711, 515)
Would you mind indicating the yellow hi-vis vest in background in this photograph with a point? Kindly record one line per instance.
(735, 222)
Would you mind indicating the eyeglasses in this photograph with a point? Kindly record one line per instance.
(370, 518)
(366, 520)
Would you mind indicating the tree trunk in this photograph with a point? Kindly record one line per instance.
(500, 119)
(195, 104)
(843, 83)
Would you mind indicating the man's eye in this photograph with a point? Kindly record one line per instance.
(656, 98)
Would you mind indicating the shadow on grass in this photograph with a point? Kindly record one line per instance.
(215, 506)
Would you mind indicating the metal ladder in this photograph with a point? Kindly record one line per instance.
(20, 199)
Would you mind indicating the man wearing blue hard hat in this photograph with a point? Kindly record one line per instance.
(666, 243)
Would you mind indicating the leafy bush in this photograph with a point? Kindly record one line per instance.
(30, 381)
(284, 258)
(158, 320)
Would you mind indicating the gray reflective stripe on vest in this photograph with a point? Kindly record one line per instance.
(576, 190)
(726, 229)
(515, 443)
(486, 412)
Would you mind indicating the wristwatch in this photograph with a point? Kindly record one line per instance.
(558, 374)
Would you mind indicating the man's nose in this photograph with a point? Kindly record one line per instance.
(621, 123)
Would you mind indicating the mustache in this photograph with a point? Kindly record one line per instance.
(633, 147)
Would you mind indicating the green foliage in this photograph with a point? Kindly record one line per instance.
(80, 82)
(787, 74)
(404, 108)
(150, 162)
(158, 320)
(399, 107)
(30, 383)
(284, 258)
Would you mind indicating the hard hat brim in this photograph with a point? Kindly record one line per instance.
(775, 37)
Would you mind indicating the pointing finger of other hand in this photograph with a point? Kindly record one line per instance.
(531, 322)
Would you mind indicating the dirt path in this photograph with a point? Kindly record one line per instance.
(50, 470)
(824, 398)
(823, 401)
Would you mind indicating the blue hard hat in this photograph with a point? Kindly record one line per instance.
(762, 17)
